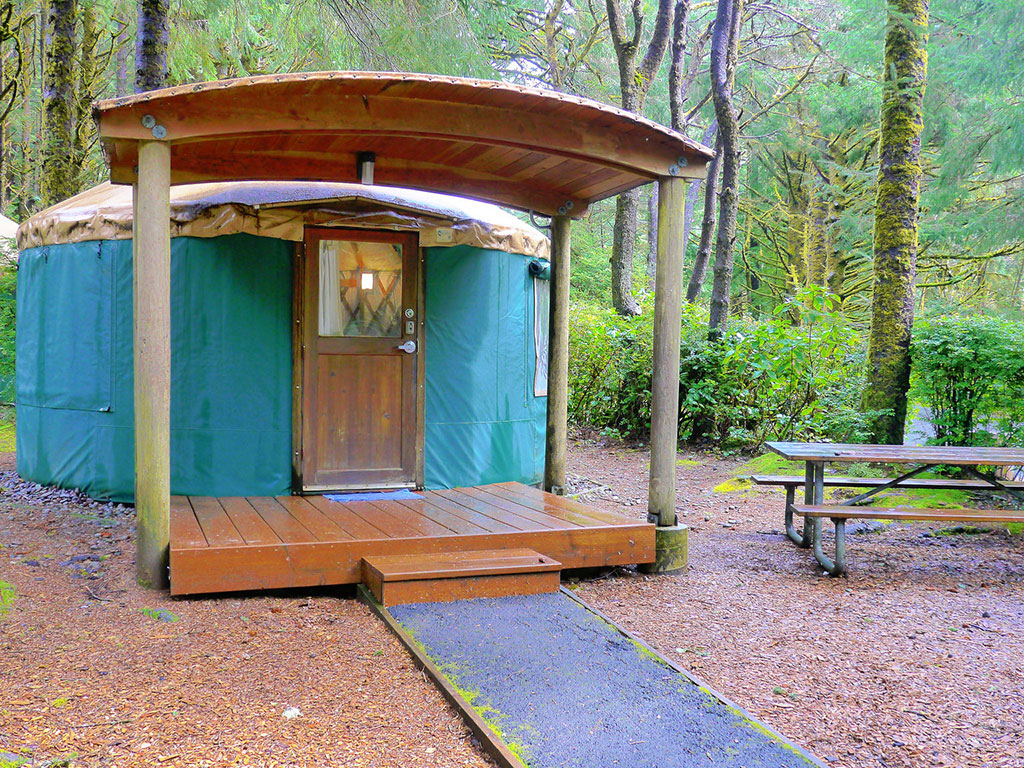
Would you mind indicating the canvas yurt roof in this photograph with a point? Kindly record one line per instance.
(282, 209)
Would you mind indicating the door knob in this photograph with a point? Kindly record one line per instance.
(408, 347)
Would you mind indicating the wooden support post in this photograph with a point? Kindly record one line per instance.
(151, 265)
(661, 504)
(558, 357)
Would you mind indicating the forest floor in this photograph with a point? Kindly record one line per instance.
(915, 659)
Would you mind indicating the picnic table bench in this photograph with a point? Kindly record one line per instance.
(813, 510)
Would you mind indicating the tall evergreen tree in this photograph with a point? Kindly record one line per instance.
(896, 217)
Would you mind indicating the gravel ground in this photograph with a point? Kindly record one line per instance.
(93, 666)
(915, 659)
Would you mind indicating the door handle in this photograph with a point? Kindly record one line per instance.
(408, 347)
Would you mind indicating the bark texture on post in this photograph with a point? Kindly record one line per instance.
(151, 278)
(151, 42)
(661, 503)
(896, 217)
(558, 356)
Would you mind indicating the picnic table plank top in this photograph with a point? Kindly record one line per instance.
(900, 454)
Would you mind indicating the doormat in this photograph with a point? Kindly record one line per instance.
(561, 685)
(373, 496)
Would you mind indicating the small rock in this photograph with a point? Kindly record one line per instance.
(291, 713)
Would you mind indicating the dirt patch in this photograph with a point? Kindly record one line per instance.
(94, 668)
(915, 659)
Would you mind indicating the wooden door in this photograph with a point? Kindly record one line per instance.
(360, 360)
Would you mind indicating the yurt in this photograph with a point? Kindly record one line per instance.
(324, 336)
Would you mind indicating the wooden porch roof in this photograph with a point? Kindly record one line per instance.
(512, 145)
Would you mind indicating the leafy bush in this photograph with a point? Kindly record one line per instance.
(763, 380)
(8, 281)
(970, 371)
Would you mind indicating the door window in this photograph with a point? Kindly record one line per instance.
(360, 288)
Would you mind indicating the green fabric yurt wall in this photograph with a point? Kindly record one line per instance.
(231, 367)
(231, 356)
(483, 422)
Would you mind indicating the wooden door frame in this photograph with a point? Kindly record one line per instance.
(299, 329)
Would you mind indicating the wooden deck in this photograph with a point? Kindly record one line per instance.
(235, 543)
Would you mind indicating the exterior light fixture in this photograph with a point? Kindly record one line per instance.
(366, 281)
(364, 166)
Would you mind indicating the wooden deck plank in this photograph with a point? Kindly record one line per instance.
(521, 505)
(550, 503)
(449, 520)
(535, 521)
(344, 516)
(491, 522)
(413, 519)
(277, 517)
(248, 522)
(185, 529)
(396, 528)
(313, 519)
(217, 526)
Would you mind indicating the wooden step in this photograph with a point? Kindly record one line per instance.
(446, 576)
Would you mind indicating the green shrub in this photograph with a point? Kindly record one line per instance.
(8, 282)
(970, 371)
(764, 380)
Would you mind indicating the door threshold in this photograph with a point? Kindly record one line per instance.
(317, 490)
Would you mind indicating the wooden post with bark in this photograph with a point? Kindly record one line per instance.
(151, 277)
(558, 356)
(661, 507)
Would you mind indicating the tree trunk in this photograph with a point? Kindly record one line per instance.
(151, 45)
(59, 172)
(88, 79)
(896, 218)
(818, 240)
(623, 248)
(724, 45)
(634, 84)
(707, 226)
(652, 237)
(121, 58)
(677, 69)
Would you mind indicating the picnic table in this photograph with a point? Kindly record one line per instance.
(921, 458)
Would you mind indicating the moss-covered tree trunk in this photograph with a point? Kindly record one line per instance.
(59, 172)
(151, 45)
(896, 217)
(819, 240)
(635, 83)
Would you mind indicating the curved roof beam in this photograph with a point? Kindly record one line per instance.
(522, 147)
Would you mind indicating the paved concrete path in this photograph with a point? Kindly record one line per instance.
(565, 689)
